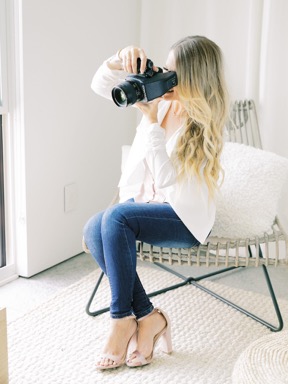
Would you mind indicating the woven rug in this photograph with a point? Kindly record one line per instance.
(264, 361)
(58, 343)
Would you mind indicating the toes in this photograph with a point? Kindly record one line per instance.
(105, 362)
(108, 362)
(132, 356)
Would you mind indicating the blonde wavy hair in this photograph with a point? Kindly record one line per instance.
(203, 94)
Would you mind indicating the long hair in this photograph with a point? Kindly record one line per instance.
(203, 94)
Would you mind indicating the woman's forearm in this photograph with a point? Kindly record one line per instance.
(109, 74)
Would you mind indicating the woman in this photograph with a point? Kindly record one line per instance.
(167, 188)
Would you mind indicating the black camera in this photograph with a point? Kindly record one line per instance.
(143, 87)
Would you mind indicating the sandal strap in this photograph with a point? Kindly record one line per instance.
(138, 360)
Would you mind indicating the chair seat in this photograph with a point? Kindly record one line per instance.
(224, 252)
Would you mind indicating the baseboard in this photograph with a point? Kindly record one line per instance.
(7, 274)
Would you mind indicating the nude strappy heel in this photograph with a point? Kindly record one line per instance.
(118, 360)
(136, 359)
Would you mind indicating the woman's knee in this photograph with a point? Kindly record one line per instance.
(96, 224)
(122, 216)
(115, 214)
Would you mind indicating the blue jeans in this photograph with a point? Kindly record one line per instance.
(111, 238)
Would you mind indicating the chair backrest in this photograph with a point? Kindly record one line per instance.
(242, 127)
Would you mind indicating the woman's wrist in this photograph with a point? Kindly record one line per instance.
(118, 55)
(115, 61)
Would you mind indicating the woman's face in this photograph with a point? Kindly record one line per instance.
(170, 66)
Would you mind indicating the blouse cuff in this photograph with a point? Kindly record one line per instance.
(156, 136)
(114, 61)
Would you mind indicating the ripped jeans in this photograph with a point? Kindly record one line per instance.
(111, 238)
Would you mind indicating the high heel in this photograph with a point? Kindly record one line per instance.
(136, 359)
(118, 360)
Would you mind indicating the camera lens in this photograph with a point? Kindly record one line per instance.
(126, 93)
(119, 97)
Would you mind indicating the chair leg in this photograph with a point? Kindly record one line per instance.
(155, 293)
(194, 281)
(100, 311)
(244, 311)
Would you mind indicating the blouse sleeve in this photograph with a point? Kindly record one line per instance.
(159, 163)
(106, 78)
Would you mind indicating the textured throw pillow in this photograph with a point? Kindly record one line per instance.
(249, 196)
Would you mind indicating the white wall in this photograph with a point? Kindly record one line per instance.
(274, 77)
(71, 134)
(233, 25)
(68, 137)
(273, 101)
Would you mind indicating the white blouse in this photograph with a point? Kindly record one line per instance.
(149, 175)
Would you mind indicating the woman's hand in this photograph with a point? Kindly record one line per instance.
(129, 56)
(149, 110)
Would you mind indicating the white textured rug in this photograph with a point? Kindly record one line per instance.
(58, 342)
(264, 361)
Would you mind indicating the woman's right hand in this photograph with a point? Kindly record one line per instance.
(129, 56)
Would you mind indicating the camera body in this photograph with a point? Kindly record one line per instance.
(143, 87)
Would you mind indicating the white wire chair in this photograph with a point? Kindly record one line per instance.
(222, 252)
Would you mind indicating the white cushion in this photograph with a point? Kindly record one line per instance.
(253, 184)
(248, 202)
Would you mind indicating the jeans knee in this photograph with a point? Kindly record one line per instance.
(121, 217)
(114, 214)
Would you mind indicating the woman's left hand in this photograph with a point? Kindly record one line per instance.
(150, 109)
